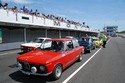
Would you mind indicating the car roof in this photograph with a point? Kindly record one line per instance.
(95, 38)
(71, 37)
(84, 37)
(43, 38)
(59, 39)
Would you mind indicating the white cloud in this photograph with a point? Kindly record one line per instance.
(22, 1)
(18, 1)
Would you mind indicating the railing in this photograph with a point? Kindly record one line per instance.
(8, 16)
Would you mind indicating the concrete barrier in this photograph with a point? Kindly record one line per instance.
(8, 46)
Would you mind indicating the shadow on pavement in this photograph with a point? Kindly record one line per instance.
(19, 53)
(20, 77)
(13, 66)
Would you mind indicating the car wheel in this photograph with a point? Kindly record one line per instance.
(80, 58)
(94, 47)
(89, 50)
(57, 72)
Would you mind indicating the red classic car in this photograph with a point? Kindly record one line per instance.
(51, 58)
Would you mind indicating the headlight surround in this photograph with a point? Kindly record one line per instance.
(22, 47)
(30, 48)
(42, 68)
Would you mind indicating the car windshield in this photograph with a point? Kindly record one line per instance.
(38, 41)
(53, 45)
(85, 39)
(95, 39)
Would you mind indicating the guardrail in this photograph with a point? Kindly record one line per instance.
(121, 35)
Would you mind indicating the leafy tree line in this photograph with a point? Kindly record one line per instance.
(122, 31)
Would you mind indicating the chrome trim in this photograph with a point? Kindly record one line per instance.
(30, 73)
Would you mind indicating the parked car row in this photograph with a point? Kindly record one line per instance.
(50, 56)
(98, 42)
(90, 43)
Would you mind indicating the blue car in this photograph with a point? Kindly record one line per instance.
(87, 43)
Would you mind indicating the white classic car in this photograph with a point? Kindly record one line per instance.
(26, 47)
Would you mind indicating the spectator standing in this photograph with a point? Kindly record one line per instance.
(5, 6)
(36, 12)
(104, 40)
(21, 10)
(31, 11)
(24, 8)
(14, 9)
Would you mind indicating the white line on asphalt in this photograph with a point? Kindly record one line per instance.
(73, 74)
(8, 53)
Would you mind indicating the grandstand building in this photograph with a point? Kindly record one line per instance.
(111, 30)
(17, 27)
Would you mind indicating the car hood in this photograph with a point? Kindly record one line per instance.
(38, 56)
(31, 44)
(96, 41)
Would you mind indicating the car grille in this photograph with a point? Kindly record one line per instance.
(26, 48)
(27, 67)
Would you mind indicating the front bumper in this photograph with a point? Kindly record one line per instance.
(87, 48)
(26, 49)
(30, 73)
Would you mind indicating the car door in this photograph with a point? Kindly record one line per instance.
(68, 54)
(76, 50)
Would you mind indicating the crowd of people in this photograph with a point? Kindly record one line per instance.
(37, 13)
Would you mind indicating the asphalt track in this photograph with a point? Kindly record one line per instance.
(104, 65)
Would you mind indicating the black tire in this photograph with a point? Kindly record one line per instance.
(57, 72)
(90, 50)
(80, 58)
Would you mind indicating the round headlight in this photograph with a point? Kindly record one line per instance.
(33, 69)
(30, 48)
(19, 66)
(42, 68)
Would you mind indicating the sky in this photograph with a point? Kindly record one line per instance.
(95, 13)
